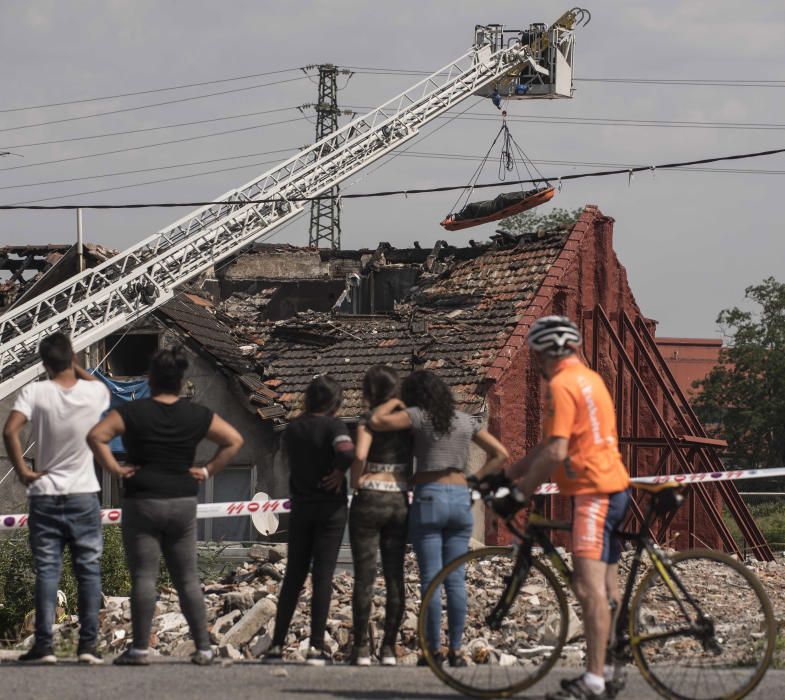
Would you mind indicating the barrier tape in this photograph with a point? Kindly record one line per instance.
(112, 516)
(699, 478)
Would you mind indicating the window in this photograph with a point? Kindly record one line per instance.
(236, 483)
(131, 354)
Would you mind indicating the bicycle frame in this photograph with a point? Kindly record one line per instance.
(537, 534)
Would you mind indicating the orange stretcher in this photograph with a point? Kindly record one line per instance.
(501, 207)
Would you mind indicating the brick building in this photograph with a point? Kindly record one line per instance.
(690, 359)
(465, 314)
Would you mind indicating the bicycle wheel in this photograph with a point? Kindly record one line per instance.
(722, 657)
(517, 655)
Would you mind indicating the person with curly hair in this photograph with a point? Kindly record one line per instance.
(440, 519)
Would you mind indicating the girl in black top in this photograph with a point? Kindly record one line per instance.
(319, 452)
(160, 493)
(378, 519)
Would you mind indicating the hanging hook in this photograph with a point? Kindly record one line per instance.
(652, 168)
(630, 175)
(559, 185)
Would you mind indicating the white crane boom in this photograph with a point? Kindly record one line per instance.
(101, 300)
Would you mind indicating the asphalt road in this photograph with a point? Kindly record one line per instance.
(177, 680)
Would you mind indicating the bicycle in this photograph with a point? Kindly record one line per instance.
(676, 626)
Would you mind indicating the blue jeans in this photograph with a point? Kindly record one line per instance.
(440, 525)
(55, 521)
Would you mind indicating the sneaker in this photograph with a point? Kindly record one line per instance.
(131, 657)
(202, 657)
(274, 655)
(318, 657)
(88, 654)
(575, 689)
(456, 659)
(361, 656)
(40, 655)
(387, 655)
(438, 657)
(614, 686)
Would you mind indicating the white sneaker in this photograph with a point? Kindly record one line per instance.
(361, 656)
(388, 657)
(318, 657)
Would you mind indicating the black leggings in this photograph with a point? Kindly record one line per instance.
(378, 521)
(152, 526)
(315, 534)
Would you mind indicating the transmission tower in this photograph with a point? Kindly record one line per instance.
(325, 228)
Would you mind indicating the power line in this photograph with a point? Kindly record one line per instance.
(153, 145)
(409, 154)
(363, 70)
(155, 104)
(596, 121)
(405, 153)
(706, 82)
(148, 92)
(593, 164)
(406, 192)
(151, 182)
(616, 121)
(151, 128)
(145, 170)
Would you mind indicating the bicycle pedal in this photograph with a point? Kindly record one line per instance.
(615, 686)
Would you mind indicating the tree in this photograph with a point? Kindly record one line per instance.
(530, 221)
(744, 395)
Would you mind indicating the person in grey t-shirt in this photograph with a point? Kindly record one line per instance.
(440, 519)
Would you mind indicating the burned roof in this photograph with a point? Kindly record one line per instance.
(455, 322)
(464, 318)
(194, 319)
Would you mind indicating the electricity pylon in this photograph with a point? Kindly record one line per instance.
(325, 228)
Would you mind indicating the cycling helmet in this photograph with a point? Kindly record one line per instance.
(554, 336)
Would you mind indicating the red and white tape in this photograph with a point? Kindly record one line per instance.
(112, 516)
(699, 478)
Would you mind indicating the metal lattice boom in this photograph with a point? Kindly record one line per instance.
(101, 300)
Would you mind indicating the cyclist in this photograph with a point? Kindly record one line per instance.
(579, 451)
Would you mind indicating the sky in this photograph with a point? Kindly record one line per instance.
(691, 241)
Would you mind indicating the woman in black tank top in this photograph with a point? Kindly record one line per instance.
(378, 518)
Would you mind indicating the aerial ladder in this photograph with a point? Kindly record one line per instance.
(515, 64)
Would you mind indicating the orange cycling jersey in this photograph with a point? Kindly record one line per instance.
(579, 408)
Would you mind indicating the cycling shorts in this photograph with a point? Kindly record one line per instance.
(595, 516)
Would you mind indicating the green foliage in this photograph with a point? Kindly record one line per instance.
(17, 578)
(530, 221)
(16, 583)
(745, 394)
(770, 518)
(211, 564)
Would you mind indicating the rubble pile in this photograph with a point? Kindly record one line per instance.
(247, 311)
(241, 613)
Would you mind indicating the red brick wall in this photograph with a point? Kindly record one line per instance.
(586, 273)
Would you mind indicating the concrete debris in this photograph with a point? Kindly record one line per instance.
(250, 624)
(241, 614)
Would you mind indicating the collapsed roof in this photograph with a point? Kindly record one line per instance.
(458, 316)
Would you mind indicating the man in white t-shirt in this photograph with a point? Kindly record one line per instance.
(62, 489)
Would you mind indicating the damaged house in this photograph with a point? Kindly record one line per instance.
(265, 323)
